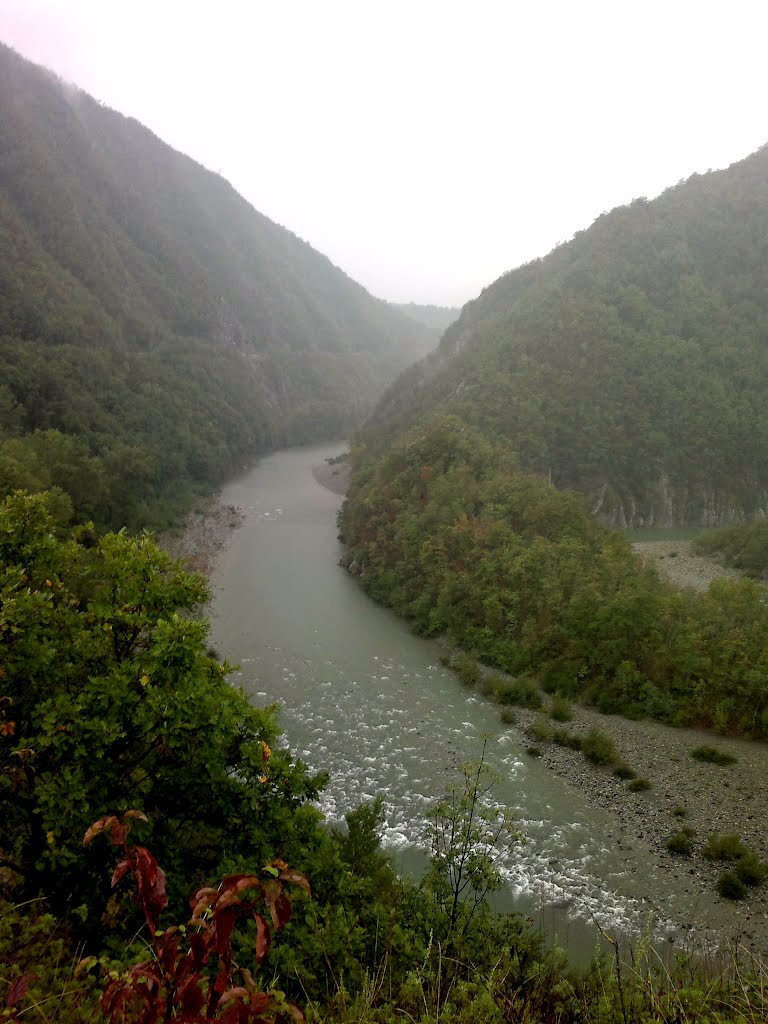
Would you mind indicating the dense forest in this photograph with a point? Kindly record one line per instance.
(629, 364)
(448, 530)
(155, 329)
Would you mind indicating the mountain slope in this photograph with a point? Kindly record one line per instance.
(631, 363)
(149, 311)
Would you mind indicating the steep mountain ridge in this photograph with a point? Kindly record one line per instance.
(631, 363)
(129, 272)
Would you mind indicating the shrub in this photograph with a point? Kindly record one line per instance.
(466, 669)
(522, 691)
(679, 811)
(623, 771)
(750, 869)
(730, 886)
(499, 690)
(563, 738)
(727, 847)
(539, 730)
(508, 716)
(560, 709)
(681, 843)
(711, 755)
(599, 748)
(639, 785)
(533, 751)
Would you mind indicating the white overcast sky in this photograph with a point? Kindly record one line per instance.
(425, 146)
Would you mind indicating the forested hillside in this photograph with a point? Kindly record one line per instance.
(154, 328)
(631, 363)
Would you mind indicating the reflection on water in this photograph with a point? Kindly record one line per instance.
(368, 702)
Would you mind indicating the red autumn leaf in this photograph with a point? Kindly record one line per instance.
(223, 923)
(280, 909)
(150, 879)
(236, 883)
(202, 899)
(260, 1001)
(263, 938)
(191, 999)
(298, 879)
(18, 989)
(121, 871)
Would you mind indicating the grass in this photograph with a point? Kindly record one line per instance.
(724, 847)
(681, 843)
(560, 709)
(711, 755)
(639, 785)
(599, 748)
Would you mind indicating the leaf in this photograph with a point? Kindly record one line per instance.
(97, 827)
(298, 879)
(121, 871)
(138, 815)
(236, 883)
(151, 884)
(85, 965)
(191, 999)
(263, 938)
(18, 989)
(224, 923)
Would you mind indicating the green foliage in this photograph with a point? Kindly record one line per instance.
(455, 538)
(467, 669)
(743, 546)
(750, 869)
(730, 886)
(711, 755)
(599, 748)
(681, 843)
(641, 785)
(468, 835)
(624, 771)
(724, 847)
(560, 709)
(522, 691)
(540, 730)
(109, 699)
(679, 811)
(508, 716)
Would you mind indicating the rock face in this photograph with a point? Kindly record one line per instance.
(668, 503)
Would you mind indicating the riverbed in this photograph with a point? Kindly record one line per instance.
(367, 701)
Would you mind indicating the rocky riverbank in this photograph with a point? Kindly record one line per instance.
(674, 559)
(203, 535)
(683, 793)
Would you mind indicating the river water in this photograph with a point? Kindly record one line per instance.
(370, 703)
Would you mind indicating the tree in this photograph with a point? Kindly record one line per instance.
(469, 834)
(110, 700)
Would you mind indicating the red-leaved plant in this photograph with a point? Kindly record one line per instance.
(191, 975)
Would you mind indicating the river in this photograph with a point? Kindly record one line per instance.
(365, 700)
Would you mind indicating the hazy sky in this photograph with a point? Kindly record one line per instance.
(424, 146)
